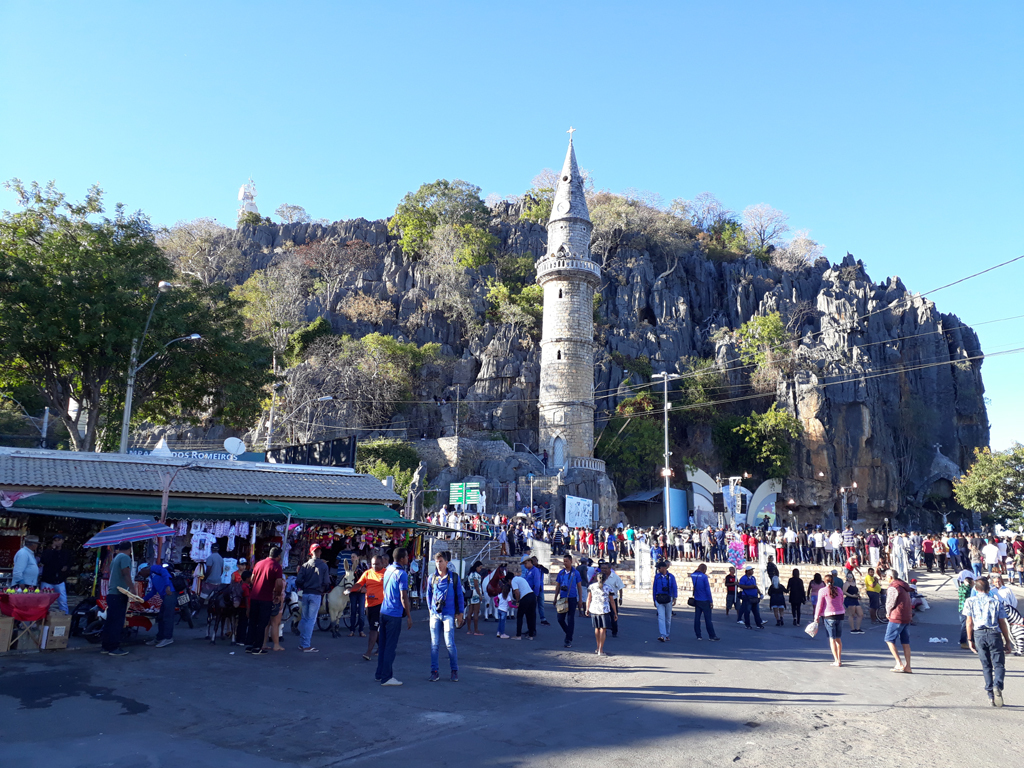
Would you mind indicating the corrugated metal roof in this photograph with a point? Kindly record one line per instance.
(51, 470)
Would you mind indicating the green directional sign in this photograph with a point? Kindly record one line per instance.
(464, 493)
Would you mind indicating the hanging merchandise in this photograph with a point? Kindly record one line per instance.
(182, 528)
(230, 566)
(232, 533)
(201, 546)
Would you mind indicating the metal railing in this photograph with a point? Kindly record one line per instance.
(526, 449)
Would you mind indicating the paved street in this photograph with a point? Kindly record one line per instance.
(756, 698)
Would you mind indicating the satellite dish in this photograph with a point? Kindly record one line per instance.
(234, 446)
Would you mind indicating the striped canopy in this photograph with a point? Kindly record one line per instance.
(129, 530)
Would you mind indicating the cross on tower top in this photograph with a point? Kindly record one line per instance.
(570, 132)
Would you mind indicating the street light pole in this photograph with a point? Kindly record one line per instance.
(666, 471)
(530, 475)
(134, 369)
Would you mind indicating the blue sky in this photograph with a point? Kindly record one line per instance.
(892, 131)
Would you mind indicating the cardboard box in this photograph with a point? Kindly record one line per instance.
(6, 633)
(56, 632)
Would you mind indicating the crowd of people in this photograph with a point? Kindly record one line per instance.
(990, 624)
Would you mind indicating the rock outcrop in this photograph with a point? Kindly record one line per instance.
(871, 358)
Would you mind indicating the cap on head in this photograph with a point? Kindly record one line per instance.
(314, 548)
(58, 536)
(749, 568)
(122, 546)
(525, 559)
(31, 539)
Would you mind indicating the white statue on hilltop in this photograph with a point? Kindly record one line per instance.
(247, 196)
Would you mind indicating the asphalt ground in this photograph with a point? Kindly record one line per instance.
(756, 698)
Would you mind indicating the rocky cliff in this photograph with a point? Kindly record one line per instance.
(881, 380)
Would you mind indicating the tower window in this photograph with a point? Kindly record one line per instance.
(559, 354)
(559, 293)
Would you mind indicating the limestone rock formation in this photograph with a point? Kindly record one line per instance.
(870, 356)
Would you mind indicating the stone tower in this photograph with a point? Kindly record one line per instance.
(569, 278)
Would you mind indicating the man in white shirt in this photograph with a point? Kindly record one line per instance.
(613, 586)
(792, 555)
(26, 567)
(991, 554)
(1003, 592)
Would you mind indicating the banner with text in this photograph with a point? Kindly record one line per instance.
(579, 513)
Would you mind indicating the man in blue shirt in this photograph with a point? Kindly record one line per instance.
(665, 594)
(570, 588)
(750, 598)
(702, 599)
(535, 579)
(446, 604)
(396, 603)
(988, 635)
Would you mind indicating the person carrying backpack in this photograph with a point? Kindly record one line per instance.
(446, 602)
(665, 595)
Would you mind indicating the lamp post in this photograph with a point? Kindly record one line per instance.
(843, 493)
(133, 369)
(666, 471)
(530, 475)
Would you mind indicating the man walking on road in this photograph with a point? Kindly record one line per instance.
(372, 583)
(267, 577)
(702, 599)
(396, 604)
(988, 636)
(570, 589)
(117, 601)
(900, 613)
(313, 580)
(750, 599)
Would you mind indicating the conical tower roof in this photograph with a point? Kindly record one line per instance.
(570, 202)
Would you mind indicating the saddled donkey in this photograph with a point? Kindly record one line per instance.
(222, 609)
(337, 600)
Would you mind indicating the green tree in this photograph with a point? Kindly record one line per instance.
(384, 457)
(302, 339)
(455, 203)
(76, 289)
(769, 439)
(702, 384)
(253, 219)
(273, 302)
(632, 443)
(762, 339)
(994, 485)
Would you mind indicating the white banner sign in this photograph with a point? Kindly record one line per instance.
(579, 513)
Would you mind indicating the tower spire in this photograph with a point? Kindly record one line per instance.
(570, 202)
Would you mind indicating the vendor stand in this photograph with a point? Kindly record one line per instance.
(31, 609)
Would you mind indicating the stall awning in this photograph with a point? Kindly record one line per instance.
(71, 504)
(102, 517)
(644, 497)
(346, 514)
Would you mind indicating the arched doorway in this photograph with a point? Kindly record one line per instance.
(558, 453)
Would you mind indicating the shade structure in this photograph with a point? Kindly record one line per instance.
(129, 530)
